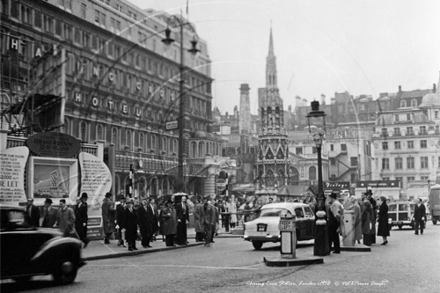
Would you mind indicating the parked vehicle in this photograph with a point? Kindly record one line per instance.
(28, 251)
(265, 228)
(434, 203)
(401, 214)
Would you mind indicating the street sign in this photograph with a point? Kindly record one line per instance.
(220, 184)
(170, 125)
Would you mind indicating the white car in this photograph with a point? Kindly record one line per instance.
(265, 227)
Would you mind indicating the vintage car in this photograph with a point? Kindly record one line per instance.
(265, 228)
(28, 251)
(400, 213)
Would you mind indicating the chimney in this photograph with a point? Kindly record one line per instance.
(322, 99)
(434, 88)
(400, 88)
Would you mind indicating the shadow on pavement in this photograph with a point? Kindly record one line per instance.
(31, 285)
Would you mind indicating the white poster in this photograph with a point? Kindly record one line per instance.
(12, 166)
(96, 179)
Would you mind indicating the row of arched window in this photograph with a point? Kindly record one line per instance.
(124, 138)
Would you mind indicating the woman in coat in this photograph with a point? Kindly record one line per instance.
(232, 208)
(383, 229)
(367, 215)
(354, 206)
(108, 217)
(168, 215)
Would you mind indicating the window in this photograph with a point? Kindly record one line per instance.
(436, 114)
(384, 145)
(99, 133)
(299, 151)
(408, 117)
(424, 162)
(396, 117)
(83, 10)
(85, 39)
(83, 132)
(77, 36)
(385, 164)
(397, 145)
(299, 213)
(409, 131)
(384, 132)
(422, 130)
(353, 161)
(332, 161)
(48, 23)
(37, 19)
(424, 178)
(58, 27)
(67, 31)
(399, 163)
(410, 163)
(399, 179)
(312, 173)
(343, 147)
(402, 103)
(26, 14)
(414, 103)
(385, 178)
(411, 179)
(410, 144)
(100, 17)
(397, 131)
(423, 144)
(314, 150)
(332, 147)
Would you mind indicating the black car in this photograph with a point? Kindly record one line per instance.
(28, 251)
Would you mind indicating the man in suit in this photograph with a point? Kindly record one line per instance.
(154, 215)
(32, 216)
(205, 214)
(145, 223)
(419, 217)
(182, 220)
(49, 214)
(130, 225)
(334, 221)
(82, 218)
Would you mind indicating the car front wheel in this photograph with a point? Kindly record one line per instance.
(257, 244)
(65, 271)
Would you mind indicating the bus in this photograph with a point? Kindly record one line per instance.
(434, 203)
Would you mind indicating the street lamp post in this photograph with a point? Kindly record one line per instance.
(167, 41)
(316, 117)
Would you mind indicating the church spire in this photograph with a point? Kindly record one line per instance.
(271, 65)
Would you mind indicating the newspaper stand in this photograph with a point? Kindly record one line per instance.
(287, 228)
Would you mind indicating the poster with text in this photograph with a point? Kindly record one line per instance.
(12, 167)
(96, 180)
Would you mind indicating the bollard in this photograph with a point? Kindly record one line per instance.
(348, 237)
(287, 227)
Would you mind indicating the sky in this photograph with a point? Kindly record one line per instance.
(322, 47)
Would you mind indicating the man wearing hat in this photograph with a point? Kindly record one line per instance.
(130, 225)
(81, 219)
(205, 215)
(32, 215)
(49, 214)
(120, 219)
(334, 222)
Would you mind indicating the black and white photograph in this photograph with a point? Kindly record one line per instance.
(219, 146)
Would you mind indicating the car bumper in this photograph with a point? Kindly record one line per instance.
(268, 238)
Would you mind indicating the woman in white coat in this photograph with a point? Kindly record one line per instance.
(232, 208)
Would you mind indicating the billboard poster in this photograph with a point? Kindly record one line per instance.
(12, 167)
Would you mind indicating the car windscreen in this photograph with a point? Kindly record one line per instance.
(273, 212)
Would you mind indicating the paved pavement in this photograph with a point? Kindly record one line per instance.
(98, 250)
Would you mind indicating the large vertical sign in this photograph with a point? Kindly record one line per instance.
(96, 181)
(12, 166)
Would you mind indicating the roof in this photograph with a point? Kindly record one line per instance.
(288, 205)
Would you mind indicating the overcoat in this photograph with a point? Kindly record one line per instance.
(49, 217)
(383, 229)
(419, 212)
(204, 217)
(145, 221)
(197, 223)
(130, 224)
(357, 220)
(232, 208)
(108, 215)
(367, 215)
(169, 220)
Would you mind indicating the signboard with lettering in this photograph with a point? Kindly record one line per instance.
(380, 184)
(54, 144)
(220, 184)
(12, 166)
(170, 125)
(96, 179)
